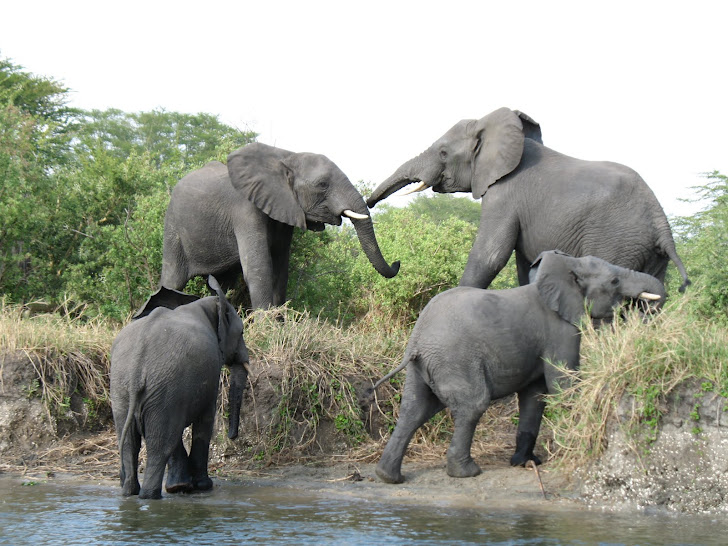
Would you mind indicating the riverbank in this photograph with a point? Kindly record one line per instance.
(645, 426)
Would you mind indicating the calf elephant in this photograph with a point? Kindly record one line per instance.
(223, 217)
(535, 199)
(471, 346)
(165, 372)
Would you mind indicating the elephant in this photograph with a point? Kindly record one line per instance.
(221, 217)
(535, 199)
(165, 372)
(470, 346)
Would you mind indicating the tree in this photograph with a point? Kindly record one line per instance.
(187, 139)
(441, 206)
(703, 240)
(34, 143)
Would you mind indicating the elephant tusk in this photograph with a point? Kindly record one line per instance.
(649, 296)
(417, 188)
(355, 215)
(246, 365)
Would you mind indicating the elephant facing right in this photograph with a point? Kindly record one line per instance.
(471, 346)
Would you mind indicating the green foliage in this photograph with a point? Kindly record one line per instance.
(703, 245)
(330, 272)
(443, 206)
(83, 194)
(189, 140)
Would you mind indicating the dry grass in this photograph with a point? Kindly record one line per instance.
(68, 353)
(638, 363)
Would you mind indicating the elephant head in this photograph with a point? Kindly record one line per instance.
(304, 190)
(569, 286)
(470, 157)
(229, 329)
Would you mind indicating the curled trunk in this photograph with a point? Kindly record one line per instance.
(643, 286)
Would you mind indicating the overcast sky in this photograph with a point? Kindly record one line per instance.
(371, 84)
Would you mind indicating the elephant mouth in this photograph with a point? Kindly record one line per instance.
(313, 225)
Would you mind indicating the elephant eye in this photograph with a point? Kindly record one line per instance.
(615, 281)
(443, 155)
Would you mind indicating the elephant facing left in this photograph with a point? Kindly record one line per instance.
(165, 372)
(221, 218)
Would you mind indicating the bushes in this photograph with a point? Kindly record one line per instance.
(330, 273)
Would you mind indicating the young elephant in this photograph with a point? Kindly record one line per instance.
(165, 372)
(471, 346)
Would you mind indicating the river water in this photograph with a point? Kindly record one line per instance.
(68, 513)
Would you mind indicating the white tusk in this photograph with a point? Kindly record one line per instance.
(419, 187)
(355, 215)
(246, 365)
(649, 296)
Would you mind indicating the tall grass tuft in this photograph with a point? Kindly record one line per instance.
(68, 353)
(636, 364)
(324, 370)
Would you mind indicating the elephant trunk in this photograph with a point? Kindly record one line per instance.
(643, 286)
(238, 382)
(414, 170)
(365, 233)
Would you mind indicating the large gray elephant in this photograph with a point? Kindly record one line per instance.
(165, 372)
(535, 199)
(471, 346)
(223, 217)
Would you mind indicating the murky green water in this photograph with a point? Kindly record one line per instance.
(69, 513)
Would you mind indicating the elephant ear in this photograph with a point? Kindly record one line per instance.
(164, 297)
(259, 173)
(497, 150)
(557, 281)
(531, 128)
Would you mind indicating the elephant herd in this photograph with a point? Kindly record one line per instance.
(587, 236)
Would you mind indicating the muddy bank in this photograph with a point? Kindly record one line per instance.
(684, 470)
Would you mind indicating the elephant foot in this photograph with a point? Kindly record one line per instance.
(150, 493)
(179, 487)
(203, 484)
(525, 442)
(130, 488)
(458, 469)
(388, 477)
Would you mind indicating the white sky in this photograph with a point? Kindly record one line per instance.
(372, 84)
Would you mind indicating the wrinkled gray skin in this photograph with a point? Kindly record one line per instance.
(223, 217)
(471, 346)
(165, 371)
(535, 199)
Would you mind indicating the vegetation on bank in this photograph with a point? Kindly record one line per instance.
(82, 202)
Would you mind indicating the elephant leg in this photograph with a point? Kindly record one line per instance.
(175, 271)
(179, 479)
(467, 404)
(530, 407)
(493, 245)
(256, 262)
(280, 250)
(523, 266)
(200, 450)
(157, 458)
(419, 404)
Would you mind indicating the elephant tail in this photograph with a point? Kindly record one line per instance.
(667, 244)
(406, 360)
(672, 254)
(133, 401)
